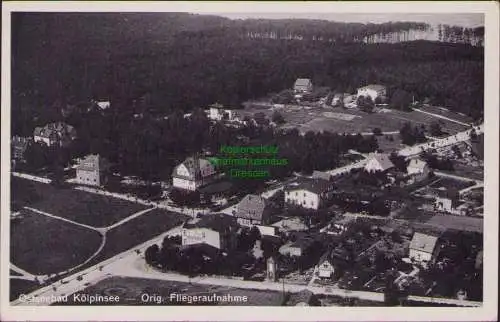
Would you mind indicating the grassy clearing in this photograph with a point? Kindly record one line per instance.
(83, 207)
(137, 231)
(43, 245)
(18, 287)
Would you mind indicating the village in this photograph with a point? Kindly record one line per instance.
(390, 219)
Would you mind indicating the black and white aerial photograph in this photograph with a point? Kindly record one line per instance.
(266, 159)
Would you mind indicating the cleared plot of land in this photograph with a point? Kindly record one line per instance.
(461, 223)
(80, 206)
(18, 287)
(43, 245)
(353, 121)
(137, 231)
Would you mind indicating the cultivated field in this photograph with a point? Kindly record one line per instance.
(83, 207)
(353, 121)
(43, 245)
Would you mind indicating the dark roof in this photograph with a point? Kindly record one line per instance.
(313, 185)
(252, 207)
(477, 146)
(321, 175)
(58, 129)
(450, 193)
(221, 223)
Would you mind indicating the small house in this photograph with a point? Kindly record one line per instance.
(92, 170)
(424, 248)
(309, 193)
(373, 91)
(303, 85)
(379, 162)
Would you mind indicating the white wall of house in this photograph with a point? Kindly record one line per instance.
(372, 93)
(373, 165)
(420, 256)
(201, 236)
(303, 198)
(43, 139)
(325, 269)
(185, 184)
(443, 204)
(92, 178)
(290, 250)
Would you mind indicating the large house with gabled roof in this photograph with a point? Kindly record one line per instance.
(57, 133)
(309, 193)
(193, 173)
(253, 210)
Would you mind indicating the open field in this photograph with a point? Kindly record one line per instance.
(353, 121)
(80, 206)
(18, 287)
(43, 245)
(137, 231)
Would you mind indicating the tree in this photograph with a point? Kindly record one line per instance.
(261, 118)
(278, 118)
(401, 100)
(365, 103)
(435, 129)
(151, 254)
(377, 131)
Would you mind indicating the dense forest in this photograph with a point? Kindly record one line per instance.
(160, 62)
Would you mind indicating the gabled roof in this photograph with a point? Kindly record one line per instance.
(374, 87)
(303, 82)
(252, 207)
(417, 164)
(423, 242)
(221, 223)
(194, 166)
(313, 185)
(383, 160)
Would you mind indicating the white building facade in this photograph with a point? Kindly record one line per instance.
(372, 91)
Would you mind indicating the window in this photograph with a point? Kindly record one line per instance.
(304, 194)
(296, 193)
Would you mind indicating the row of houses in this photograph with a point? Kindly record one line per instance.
(374, 91)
